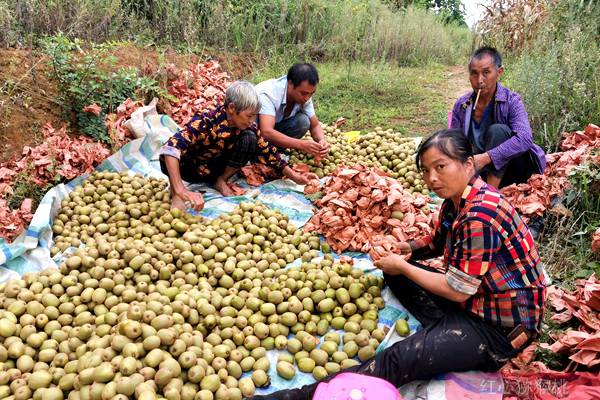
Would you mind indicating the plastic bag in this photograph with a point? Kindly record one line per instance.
(136, 123)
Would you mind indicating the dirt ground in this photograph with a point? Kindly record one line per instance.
(457, 84)
(28, 93)
(27, 100)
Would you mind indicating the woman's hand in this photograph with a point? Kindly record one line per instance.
(195, 200)
(393, 264)
(405, 249)
(303, 179)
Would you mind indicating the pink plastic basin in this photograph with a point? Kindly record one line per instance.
(349, 386)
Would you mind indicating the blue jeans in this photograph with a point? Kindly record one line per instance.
(295, 126)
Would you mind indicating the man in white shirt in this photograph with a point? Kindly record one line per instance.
(287, 111)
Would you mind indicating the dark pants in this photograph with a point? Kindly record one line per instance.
(518, 169)
(244, 150)
(295, 126)
(451, 341)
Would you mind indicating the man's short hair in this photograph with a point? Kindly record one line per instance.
(301, 72)
(243, 96)
(489, 51)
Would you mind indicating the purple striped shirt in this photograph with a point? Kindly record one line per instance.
(509, 110)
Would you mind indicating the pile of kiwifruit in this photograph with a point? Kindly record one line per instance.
(156, 303)
(384, 149)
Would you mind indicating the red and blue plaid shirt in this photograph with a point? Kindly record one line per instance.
(490, 255)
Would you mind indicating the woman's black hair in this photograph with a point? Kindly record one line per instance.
(450, 142)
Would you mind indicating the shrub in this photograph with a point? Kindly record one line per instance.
(313, 29)
(89, 76)
(557, 71)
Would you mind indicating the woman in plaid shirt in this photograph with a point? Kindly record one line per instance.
(488, 302)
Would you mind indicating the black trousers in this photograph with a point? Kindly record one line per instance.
(518, 169)
(244, 150)
(451, 340)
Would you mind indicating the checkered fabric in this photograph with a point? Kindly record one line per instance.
(490, 255)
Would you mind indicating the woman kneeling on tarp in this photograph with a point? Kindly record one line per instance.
(488, 303)
(214, 145)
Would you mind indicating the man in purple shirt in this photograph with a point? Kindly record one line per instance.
(497, 125)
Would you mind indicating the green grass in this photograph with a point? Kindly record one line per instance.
(558, 72)
(407, 99)
(24, 188)
(312, 29)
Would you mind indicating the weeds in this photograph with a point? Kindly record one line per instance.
(566, 252)
(406, 99)
(553, 360)
(23, 188)
(586, 193)
(557, 70)
(511, 24)
(311, 29)
(88, 76)
(564, 248)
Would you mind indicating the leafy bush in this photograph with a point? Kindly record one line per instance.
(89, 76)
(567, 252)
(585, 193)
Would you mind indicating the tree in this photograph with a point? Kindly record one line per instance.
(451, 11)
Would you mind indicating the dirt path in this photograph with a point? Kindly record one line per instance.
(457, 84)
(434, 95)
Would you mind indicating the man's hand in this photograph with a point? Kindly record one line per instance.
(481, 160)
(325, 147)
(311, 147)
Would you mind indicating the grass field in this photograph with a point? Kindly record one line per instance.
(410, 100)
